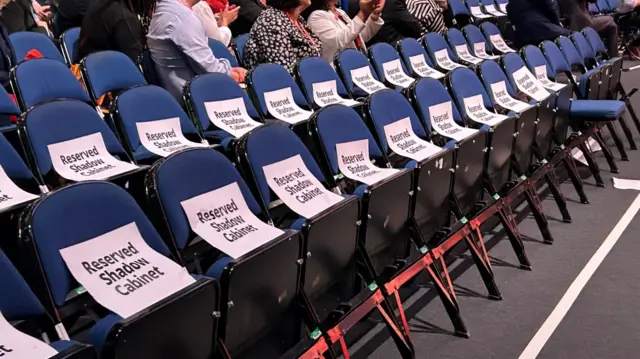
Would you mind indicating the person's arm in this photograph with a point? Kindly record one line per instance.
(330, 34)
(401, 19)
(128, 38)
(371, 27)
(204, 12)
(191, 39)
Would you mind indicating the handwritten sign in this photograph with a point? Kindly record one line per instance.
(502, 98)
(18, 345)
(480, 50)
(463, 53)
(443, 60)
(10, 193)
(529, 84)
(403, 141)
(354, 163)
(326, 93)
(222, 218)
(541, 75)
(442, 121)
(231, 116)
(282, 106)
(394, 73)
(363, 78)
(122, 272)
(476, 111)
(498, 43)
(420, 67)
(295, 185)
(86, 158)
(164, 137)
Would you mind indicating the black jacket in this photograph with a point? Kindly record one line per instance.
(249, 12)
(535, 21)
(69, 13)
(7, 56)
(398, 23)
(17, 16)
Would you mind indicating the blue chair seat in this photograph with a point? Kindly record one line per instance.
(597, 110)
(62, 345)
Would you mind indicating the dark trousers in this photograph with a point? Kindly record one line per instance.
(608, 30)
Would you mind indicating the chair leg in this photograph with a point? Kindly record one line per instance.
(627, 101)
(627, 133)
(510, 226)
(616, 139)
(538, 214)
(554, 187)
(613, 167)
(440, 277)
(479, 253)
(572, 170)
(593, 166)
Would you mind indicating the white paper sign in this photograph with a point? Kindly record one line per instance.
(164, 137)
(491, 9)
(503, 8)
(541, 75)
(463, 53)
(403, 141)
(282, 106)
(231, 116)
(621, 183)
(443, 60)
(10, 193)
(326, 93)
(294, 184)
(441, 118)
(121, 271)
(593, 147)
(477, 13)
(498, 43)
(394, 73)
(223, 219)
(18, 345)
(502, 97)
(478, 113)
(480, 50)
(420, 67)
(86, 158)
(527, 83)
(363, 78)
(354, 163)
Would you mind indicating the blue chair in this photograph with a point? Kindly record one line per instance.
(25, 41)
(107, 72)
(144, 104)
(491, 9)
(604, 7)
(381, 53)
(238, 47)
(408, 48)
(476, 10)
(593, 8)
(15, 168)
(58, 121)
(458, 42)
(348, 60)
(40, 80)
(23, 306)
(476, 38)
(222, 52)
(70, 42)
(98, 208)
(435, 43)
(489, 30)
(459, 12)
(581, 76)
(210, 88)
(313, 70)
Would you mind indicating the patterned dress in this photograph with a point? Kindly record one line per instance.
(275, 39)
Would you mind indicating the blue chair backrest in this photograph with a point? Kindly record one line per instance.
(389, 106)
(313, 70)
(110, 71)
(25, 41)
(489, 29)
(144, 104)
(70, 41)
(491, 73)
(512, 63)
(434, 42)
(583, 47)
(569, 51)
(97, 208)
(41, 80)
(409, 47)
(603, 5)
(64, 120)
(430, 92)
(8, 108)
(12, 163)
(216, 87)
(474, 36)
(465, 83)
(535, 58)
(273, 143)
(221, 51)
(613, 5)
(458, 8)
(149, 69)
(271, 77)
(593, 9)
(555, 58)
(594, 40)
(472, 3)
(238, 45)
(456, 38)
(339, 124)
(351, 59)
(191, 173)
(22, 303)
(381, 53)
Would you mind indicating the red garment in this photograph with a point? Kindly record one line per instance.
(217, 5)
(33, 54)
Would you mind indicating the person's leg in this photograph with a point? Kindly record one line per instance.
(607, 28)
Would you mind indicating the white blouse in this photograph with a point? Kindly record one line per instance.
(204, 12)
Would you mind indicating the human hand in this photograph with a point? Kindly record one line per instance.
(238, 74)
(367, 6)
(43, 11)
(378, 8)
(228, 15)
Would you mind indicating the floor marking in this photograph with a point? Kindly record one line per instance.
(549, 326)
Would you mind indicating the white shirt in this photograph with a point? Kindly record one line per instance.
(336, 35)
(204, 12)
